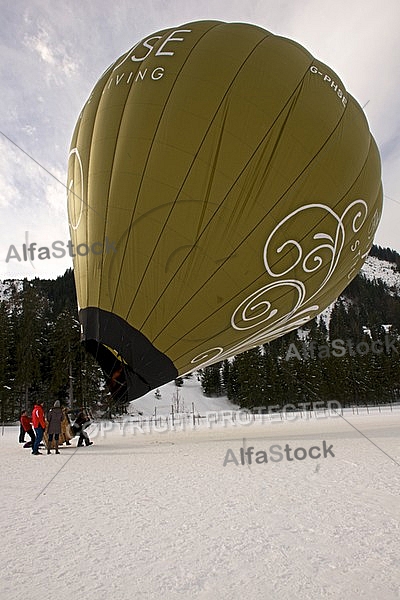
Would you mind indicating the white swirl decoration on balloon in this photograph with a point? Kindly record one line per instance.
(257, 314)
(207, 355)
(257, 310)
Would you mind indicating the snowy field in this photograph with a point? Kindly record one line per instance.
(157, 515)
(189, 395)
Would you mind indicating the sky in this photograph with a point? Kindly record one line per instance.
(52, 53)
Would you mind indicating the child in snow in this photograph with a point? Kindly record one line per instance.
(26, 427)
(81, 422)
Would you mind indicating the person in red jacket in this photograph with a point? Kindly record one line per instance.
(26, 427)
(39, 425)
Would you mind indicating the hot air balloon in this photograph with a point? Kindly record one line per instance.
(223, 189)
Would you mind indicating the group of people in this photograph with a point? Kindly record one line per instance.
(57, 425)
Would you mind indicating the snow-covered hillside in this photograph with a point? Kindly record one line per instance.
(7, 286)
(375, 269)
(185, 399)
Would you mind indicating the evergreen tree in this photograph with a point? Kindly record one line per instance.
(272, 375)
(250, 384)
(89, 384)
(230, 380)
(211, 380)
(6, 404)
(30, 320)
(65, 345)
(339, 324)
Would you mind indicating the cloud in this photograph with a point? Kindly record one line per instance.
(52, 52)
(31, 200)
(29, 129)
(40, 44)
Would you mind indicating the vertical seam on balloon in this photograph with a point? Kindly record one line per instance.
(279, 199)
(76, 138)
(87, 195)
(88, 169)
(87, 184)
(233, 184)
(140, 65)
(189, 169)
(262, 275)
(213, 167)
(145, 167)
(106, 80)
(111, 178)
(173, 204)
(106, 212)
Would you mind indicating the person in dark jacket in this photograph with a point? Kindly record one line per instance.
(39, 425)
(81, 422)
(54, 419)
(26, 427)
(66, 427)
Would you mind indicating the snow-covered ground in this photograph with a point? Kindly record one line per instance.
(187, 398)
(158, 515)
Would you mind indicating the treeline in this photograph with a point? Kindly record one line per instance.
(386, 254)
(41, 355)
(40, 351)
(353, 357)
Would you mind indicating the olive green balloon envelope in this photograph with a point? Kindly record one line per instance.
(227, 187)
